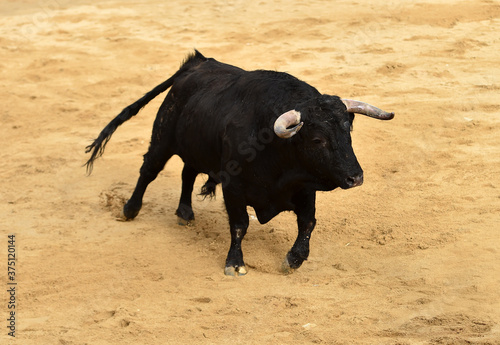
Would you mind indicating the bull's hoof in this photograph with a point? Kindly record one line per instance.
(235, 271)
(121, 217)
(185, 215)
(184, 222)
(129, 212)
(291, 263)
(124, 218)
(286, 268)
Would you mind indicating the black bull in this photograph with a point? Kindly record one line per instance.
(268, 138)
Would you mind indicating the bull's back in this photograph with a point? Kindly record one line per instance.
(217, 101)
(198, 98)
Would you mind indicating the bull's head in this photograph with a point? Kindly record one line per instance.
(325, 141)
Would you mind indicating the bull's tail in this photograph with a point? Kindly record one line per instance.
(97, 147)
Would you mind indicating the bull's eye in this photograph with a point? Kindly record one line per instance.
(319, 141)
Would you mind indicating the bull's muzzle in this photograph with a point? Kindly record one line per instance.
(354, 181)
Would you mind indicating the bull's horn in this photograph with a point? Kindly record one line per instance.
(290, 118)
(366, 109)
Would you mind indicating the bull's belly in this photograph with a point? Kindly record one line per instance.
(201, 161)
(267, 207)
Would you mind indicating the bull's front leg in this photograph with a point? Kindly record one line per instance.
(305, 208)
(238, 224)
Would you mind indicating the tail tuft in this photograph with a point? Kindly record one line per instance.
(99, 144)
(208, 189)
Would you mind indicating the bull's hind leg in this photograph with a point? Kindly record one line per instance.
(159, 152)
(154, 162)
(185, 212)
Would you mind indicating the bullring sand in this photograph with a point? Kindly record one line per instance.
(410, 257)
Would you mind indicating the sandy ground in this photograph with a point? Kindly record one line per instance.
(410, 257)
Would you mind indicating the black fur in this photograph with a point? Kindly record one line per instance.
(219, 119)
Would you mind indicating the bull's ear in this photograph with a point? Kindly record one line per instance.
(351, 120)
